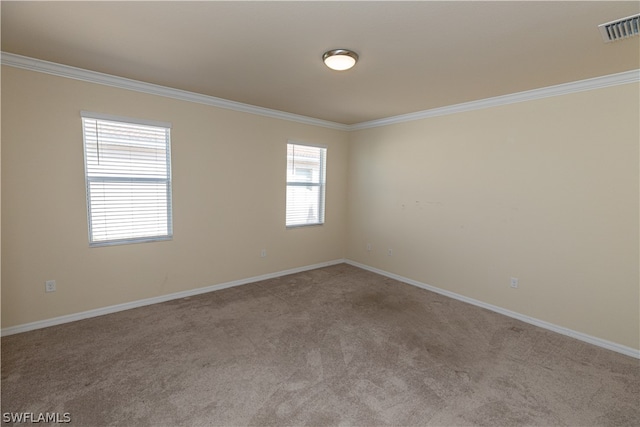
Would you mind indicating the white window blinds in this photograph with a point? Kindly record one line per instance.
(306, 169)
(128, 179)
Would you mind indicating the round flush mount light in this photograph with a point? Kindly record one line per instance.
(340, 59)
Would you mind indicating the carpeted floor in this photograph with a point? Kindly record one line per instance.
(333, 346)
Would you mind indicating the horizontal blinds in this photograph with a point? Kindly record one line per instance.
(306, 169)
(128, 173)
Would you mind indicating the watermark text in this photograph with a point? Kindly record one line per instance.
(36, 417)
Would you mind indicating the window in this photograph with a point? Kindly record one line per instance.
(306, 167)
(128, 178)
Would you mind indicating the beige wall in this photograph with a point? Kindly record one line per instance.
(228, 200)
(545, 191)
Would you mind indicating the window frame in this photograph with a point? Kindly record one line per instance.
(321, 183)
(166, 181)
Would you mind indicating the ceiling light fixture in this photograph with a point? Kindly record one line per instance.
(340, 59)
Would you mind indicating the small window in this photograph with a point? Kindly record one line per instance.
(128, 179)
(306, 167)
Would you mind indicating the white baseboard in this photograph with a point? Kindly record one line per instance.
(628, 351)
(155, 300)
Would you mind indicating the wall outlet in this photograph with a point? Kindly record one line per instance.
(263, 253)
(368, 247)
(390, 252)
(50, 286)
(514, 282)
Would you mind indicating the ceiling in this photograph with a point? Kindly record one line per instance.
(414, 56)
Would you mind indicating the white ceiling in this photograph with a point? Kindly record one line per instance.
(414, 56)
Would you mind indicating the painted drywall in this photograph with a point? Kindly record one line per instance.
(545, 191)
(229, 172)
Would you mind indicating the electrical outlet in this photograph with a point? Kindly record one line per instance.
(368, 247)
(50, 286)
(390, 252)
(263, 253)
(514, 282)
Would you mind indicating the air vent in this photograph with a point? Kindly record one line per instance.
(620, 29)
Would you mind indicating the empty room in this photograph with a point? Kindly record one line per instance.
(320, 213)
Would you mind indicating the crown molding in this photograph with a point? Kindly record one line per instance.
(626, 77)
(60, 70)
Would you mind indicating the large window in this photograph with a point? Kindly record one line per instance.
(306, 166)
(128, 178)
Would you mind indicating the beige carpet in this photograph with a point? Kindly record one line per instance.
(333, 346)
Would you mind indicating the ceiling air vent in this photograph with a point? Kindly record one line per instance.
(620, 29)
